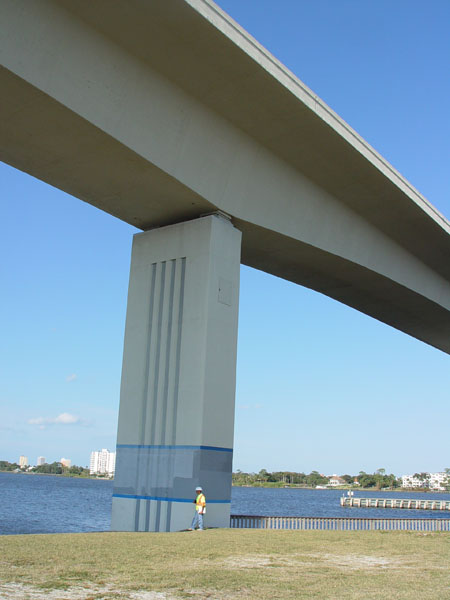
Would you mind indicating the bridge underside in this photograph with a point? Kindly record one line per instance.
(160, 113)
(114, 104)
(42, 137)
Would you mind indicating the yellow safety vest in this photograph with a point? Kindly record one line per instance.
(200, 504)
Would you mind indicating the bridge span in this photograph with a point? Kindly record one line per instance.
(169, 116)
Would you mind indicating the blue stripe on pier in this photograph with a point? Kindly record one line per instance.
(174, 447)
(164, 499)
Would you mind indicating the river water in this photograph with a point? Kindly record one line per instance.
(50, 504)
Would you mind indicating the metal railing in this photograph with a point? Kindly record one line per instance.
(395, 503)
(338, 523)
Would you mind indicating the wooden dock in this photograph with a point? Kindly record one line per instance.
(395, 503)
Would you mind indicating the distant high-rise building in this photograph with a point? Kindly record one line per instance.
(40, 461)
(66, 462)
(23, 461)
(102, 462)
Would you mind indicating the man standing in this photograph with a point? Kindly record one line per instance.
(200, 509)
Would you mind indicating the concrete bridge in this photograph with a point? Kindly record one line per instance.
(172, 118)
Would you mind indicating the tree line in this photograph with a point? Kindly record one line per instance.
(378, 480)
(55, 468)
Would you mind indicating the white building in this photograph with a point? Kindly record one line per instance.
(410, 481)
(335, 481)
(102, 463)
(434, 481)
(66, 462)
(23, 461)
(40, 461)
(438, 481)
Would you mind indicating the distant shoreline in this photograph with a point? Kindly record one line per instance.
(67, 475)
(343, 488)
(262, 485)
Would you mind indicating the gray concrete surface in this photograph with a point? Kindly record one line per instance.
(176, 419)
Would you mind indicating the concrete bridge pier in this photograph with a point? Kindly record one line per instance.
(176, 418)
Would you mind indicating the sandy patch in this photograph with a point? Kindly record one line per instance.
(250, 561)
(359, 561)
(18, 591)
(219, 595)
(259, 561)
(299, 561)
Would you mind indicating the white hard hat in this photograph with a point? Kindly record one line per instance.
(199, 489)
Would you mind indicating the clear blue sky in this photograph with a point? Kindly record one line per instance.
(320, 386)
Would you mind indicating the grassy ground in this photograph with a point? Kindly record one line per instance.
(226, 564)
